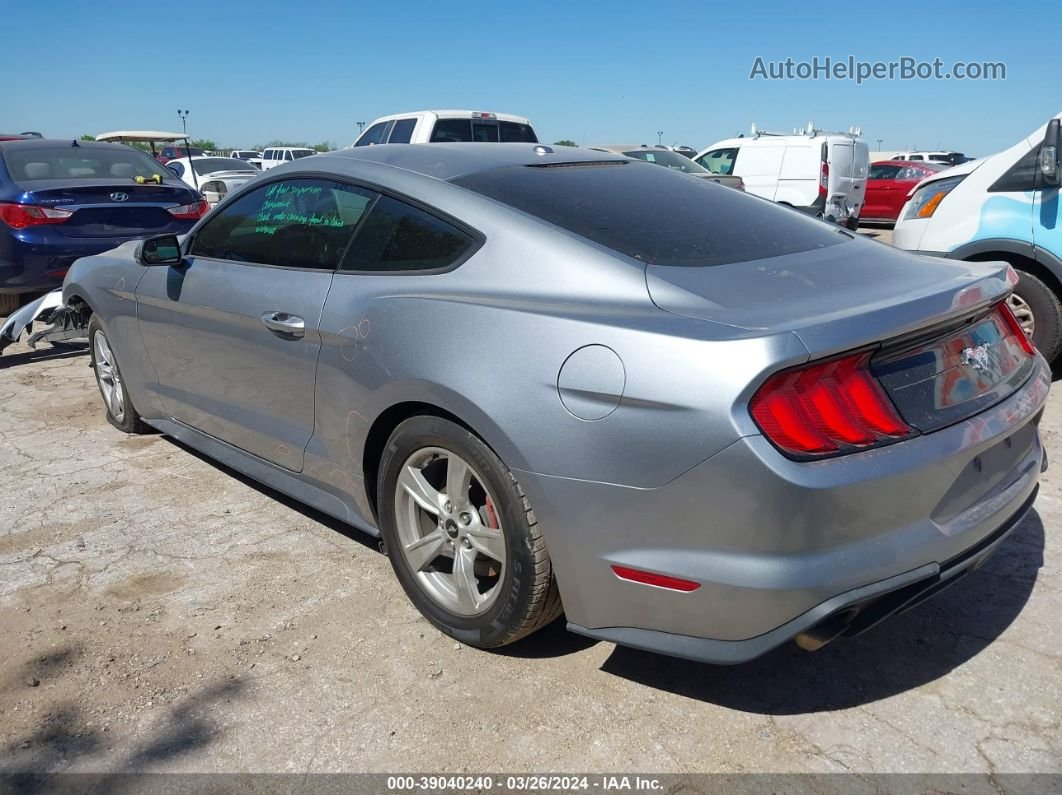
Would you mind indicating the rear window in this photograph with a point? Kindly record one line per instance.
(653, 214)
(482, 131)
(212, 164)
(80, 162)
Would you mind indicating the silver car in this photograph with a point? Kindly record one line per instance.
(556, 380)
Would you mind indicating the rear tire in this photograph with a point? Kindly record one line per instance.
(437, 524)
(120, 411)
(852, 224)
(1045, 309)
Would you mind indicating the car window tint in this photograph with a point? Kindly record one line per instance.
(515, 133)
(52, 161)
(654, 214)
(177, 168)
(297, 223)
(884, 172)
(402, 132)
(915, 157)
(399, 237)
(452, 131)
(718, 161)
(373, 135)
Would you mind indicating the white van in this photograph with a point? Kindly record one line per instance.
(448, 126)
(821, 173)
(278, 155)
(1001, 207)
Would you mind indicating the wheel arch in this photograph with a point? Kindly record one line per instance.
(1019, 253)
(390, 418)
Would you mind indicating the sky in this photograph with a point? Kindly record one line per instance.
(592, 72)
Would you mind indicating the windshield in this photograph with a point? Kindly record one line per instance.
(664, 157)
(63, 161)
(654, 214)
(211, 164)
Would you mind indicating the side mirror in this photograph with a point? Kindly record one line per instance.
(161, 250)
(1050, 165)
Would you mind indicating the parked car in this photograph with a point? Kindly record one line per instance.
(947, 158)
(448, 126)
(168, 153)
(685, 151)
(214, 177)
(62, 199)
(1003, 207)
(821, 173)
(888, 184)
(666, 157)
(453, 352)
(248, 155)
(278, 155)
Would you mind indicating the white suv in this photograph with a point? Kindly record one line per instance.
(278, 155)
(447, 126)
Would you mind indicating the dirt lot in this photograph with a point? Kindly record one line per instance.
(160, 613)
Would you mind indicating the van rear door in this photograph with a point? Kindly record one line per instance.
(848, 161)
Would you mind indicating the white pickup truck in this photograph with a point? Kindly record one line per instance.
(448, 126)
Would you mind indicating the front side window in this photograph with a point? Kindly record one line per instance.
(399, 237)
(402, 132)
(915, 157)
(374, 135)
(297, 223)
(719, 161)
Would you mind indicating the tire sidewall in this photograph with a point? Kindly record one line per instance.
(492, 627)
(1047, 313)
(128, 421)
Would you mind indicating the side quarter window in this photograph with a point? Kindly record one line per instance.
(399, 237)
(296, 223)
(374, 135)
(402, 132)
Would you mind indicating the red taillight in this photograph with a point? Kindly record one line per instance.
(827, 408)
(659, 580)
(189, 212)
(19, 216)
(824, 178)
(1015, 328)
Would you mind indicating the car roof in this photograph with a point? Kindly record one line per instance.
(53, 143)
(619, 149)
(451, 160)
(451, 113)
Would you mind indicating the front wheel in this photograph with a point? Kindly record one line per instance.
(1039, 312)
(461, 535)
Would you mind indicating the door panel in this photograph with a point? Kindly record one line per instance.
(221, 368)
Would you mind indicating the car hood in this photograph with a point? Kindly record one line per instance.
(836, 298)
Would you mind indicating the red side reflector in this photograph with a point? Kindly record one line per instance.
(659, 580)
(827, 408)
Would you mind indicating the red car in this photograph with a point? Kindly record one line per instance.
(888, 184)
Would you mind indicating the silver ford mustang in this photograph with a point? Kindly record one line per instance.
(563, 381)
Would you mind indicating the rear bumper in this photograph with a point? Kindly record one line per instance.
(778, 546)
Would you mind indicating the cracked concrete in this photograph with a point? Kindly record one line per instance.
(176, 617)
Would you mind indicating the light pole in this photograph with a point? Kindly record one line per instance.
(183, 114)
(361, 126)
(879, 143)
(659, 137)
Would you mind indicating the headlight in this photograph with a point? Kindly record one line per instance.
(926, 199)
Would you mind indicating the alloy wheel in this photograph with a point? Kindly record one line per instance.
(109, 380)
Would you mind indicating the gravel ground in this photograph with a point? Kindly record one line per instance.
(161, 613)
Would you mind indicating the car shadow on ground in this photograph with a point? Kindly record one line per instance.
(66, 734)
(46, 353)
(903, 653)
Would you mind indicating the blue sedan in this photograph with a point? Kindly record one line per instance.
(60, 200)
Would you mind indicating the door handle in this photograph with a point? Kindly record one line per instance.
(284, 323)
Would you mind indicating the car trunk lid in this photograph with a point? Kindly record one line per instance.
(945, 351)
(111, 208)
